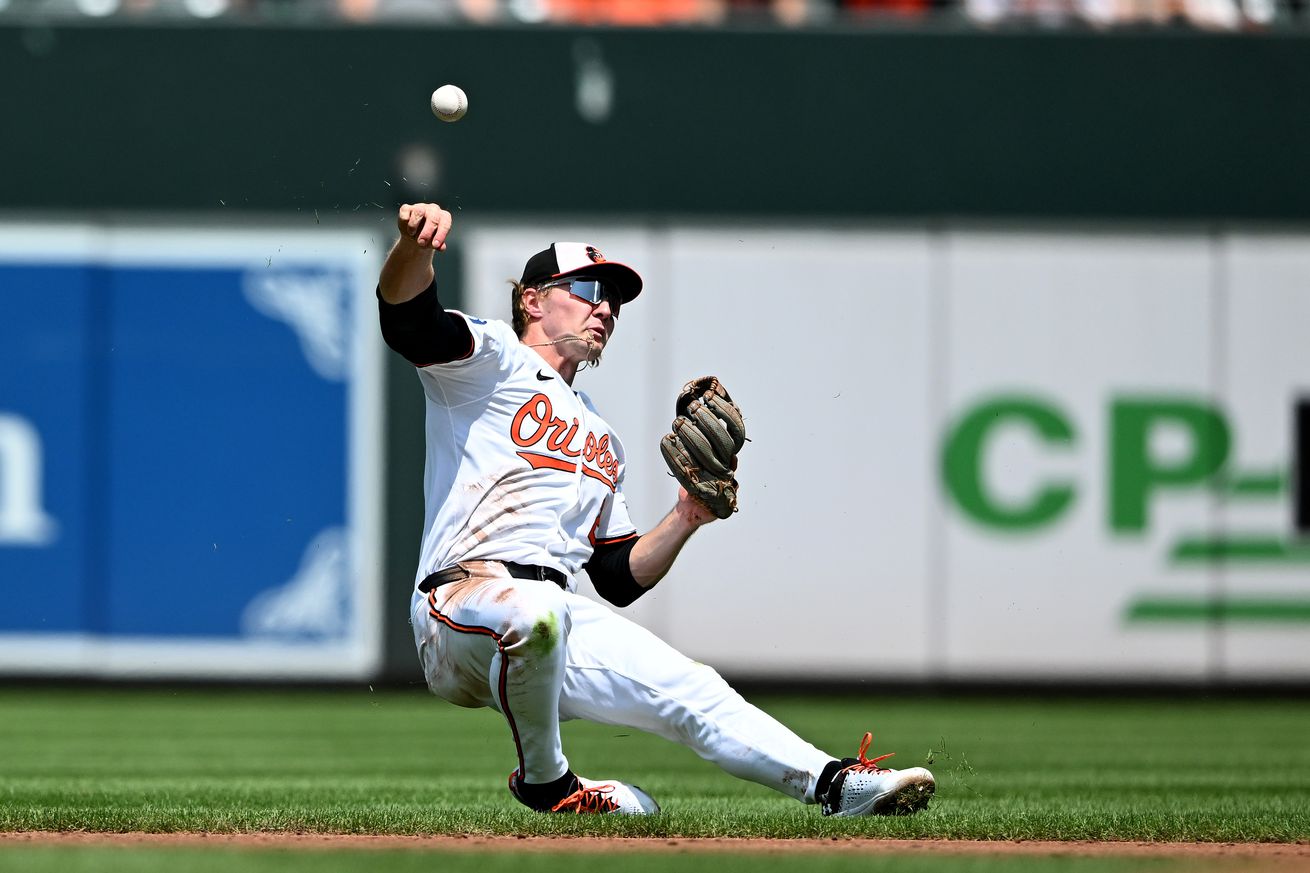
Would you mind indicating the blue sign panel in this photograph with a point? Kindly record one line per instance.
(45, 446)
(227, 452)
(188, 453)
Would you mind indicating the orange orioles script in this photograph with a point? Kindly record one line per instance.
(536, 423)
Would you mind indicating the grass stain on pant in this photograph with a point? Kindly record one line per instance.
(544, 637)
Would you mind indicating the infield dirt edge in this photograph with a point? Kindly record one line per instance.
(1279, 853)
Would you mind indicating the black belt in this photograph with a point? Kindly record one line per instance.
(518, 571)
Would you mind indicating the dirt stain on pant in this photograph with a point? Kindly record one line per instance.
(800, 778)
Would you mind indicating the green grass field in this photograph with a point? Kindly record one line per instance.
(406, 763)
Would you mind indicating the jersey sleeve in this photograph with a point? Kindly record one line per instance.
(423, 332)
(612, 539)
(476, 374)
(613, 525)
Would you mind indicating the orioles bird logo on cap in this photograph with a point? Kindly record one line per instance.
(595, 255)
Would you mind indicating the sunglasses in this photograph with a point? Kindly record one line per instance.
(591, 290)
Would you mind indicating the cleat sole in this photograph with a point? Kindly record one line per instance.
(907, 800)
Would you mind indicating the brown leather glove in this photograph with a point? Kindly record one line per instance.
(702, 450)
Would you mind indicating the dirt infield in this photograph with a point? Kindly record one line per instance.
(1262, 856)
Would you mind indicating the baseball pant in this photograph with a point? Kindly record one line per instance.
(541, 655)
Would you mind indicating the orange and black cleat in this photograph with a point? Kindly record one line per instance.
(591, 797)
(861, 787)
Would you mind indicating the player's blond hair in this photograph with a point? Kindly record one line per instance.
(519, 317)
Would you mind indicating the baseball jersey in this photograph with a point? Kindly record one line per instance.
(520, 467)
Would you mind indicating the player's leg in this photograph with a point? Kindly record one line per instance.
(495, 641)
(619, 673)
(492, 640)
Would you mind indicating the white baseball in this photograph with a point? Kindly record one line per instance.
(449, 103)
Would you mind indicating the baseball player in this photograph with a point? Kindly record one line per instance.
(523, 489)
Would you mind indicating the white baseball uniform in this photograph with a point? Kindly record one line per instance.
(523, 469)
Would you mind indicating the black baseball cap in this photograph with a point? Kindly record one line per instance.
(565, 259)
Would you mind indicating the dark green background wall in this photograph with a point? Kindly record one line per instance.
(308, 124)
(814, 123)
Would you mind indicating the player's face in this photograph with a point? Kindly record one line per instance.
(585, 309)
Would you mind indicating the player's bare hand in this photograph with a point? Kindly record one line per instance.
(692, 510)
(427, 224)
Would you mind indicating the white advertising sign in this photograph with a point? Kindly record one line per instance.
(975, 454)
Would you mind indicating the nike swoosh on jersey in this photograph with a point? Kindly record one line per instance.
(543, 377)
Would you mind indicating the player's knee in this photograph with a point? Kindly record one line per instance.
(539, 624)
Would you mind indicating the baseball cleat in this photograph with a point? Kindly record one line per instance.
(864, 788)
(592, 796)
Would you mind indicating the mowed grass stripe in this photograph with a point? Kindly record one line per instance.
(400, 762)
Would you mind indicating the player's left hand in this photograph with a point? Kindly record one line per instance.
(692, 510)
